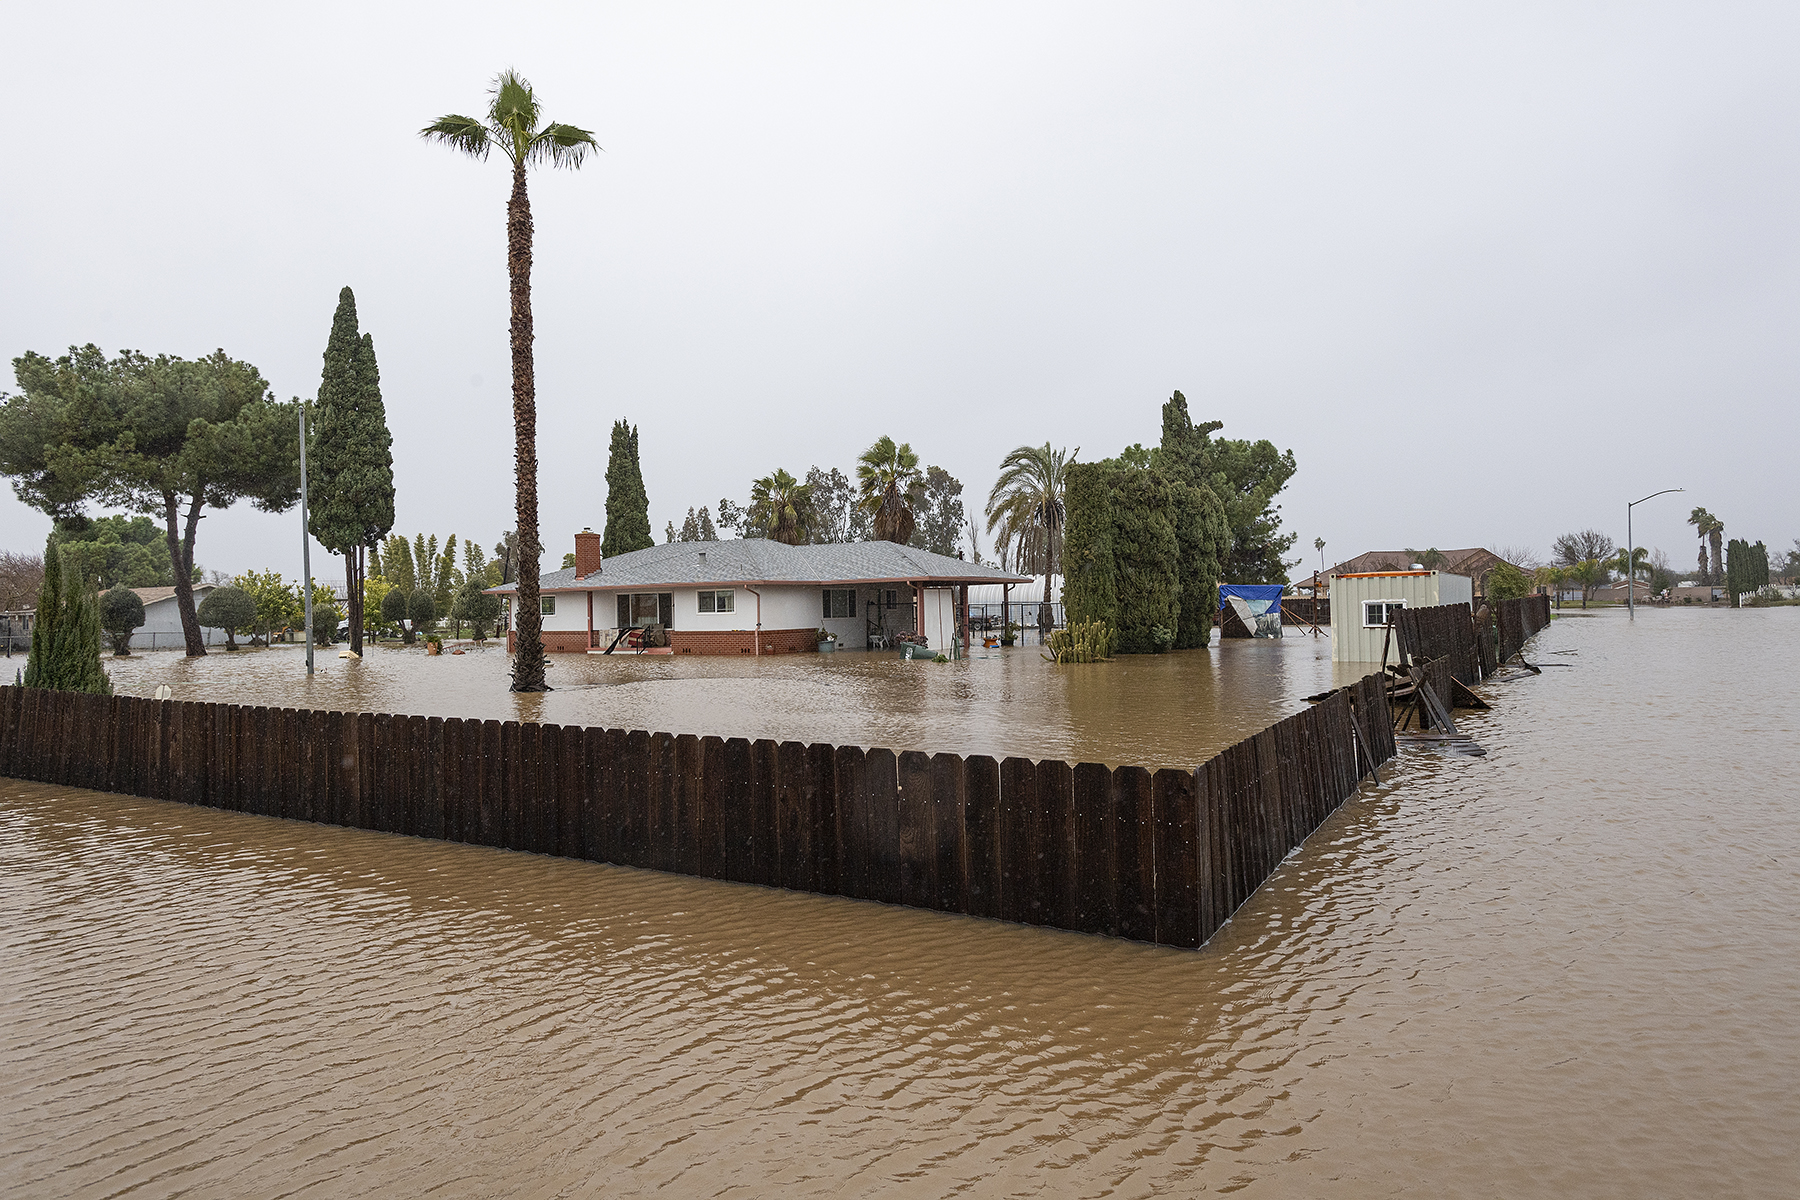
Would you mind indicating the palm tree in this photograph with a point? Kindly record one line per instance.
(512, 128)
(887, 477)
(1632, 563)
(782, 505)
(1710, 529)
(1026, 505)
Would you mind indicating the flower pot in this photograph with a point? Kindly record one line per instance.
(434, 647)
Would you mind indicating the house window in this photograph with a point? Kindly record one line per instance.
(1377, 613)
(547, 605)
(840, 602)
(720, 601)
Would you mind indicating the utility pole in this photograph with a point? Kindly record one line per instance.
(305, 542)
(1630, 554)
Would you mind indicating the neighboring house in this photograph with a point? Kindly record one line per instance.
(1614, 593)
(1695, 593)
(1363, 602)
(15, 629)
(1474, 562)
(751, 596)
(161, 629)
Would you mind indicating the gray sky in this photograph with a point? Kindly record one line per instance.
(1489, 272)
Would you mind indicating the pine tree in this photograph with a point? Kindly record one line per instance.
(627, 504)
(350, 456)
(65, 637)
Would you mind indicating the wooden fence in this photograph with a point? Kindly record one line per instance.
(1450, 633)
(1519, 619)
(1163, 856)
(1443, 632)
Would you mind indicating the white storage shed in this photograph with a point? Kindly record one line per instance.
(1360, 605)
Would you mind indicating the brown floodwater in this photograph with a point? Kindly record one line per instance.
(1569, 968)
(1149, 710)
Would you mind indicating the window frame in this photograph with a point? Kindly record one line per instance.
(1397, 602)
(712, 595)
(546, 606)
(849, 595)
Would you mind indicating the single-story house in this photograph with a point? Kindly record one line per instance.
(161, 629)
(751, 596)
(1614, 592)
(1363, 603)
(1695, 593)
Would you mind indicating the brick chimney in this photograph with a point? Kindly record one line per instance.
(587, 553)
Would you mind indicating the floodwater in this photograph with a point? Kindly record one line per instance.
(1568, 968)
(1168, 710)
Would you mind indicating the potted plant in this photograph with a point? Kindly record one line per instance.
(434, 643)
(826, 642)
(1009, 633)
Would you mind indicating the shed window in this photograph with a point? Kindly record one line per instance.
(1377, 613)
(547, 605)
(840, 602)
(720, 601)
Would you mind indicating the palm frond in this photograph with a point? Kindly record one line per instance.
(514, 106)
(562, 145)
(459, 133)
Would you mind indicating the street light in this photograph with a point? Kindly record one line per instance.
(1630, 557)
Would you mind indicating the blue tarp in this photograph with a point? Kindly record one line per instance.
(1261, 597)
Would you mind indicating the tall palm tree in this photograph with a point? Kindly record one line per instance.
(1710, 529)
(782, 506)
(512, 128)
(1026, 505)
(887, 478)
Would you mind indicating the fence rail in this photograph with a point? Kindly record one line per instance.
(1156, 856)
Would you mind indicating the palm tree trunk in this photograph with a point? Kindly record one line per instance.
(528, 661)
(1716, 537)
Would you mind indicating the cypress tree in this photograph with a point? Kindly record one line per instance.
(627, 504)
(1119, 553)
(350, 460)
(1090, 577)
(1203, 534)
(1145, 550)
(65, 636)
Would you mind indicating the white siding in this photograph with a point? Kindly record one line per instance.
(161, 629)
(571, 612)
(1455, 589)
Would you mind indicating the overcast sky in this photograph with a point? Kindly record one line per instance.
(1489, 271)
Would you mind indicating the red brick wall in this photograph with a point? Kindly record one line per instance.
(730, 641)
(741, 641)
(558, 641)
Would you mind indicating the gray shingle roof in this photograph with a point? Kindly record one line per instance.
(754, 560)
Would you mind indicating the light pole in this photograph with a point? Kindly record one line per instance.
(1630, 554)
